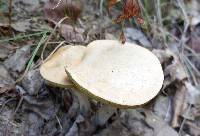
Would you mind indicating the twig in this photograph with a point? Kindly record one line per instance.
(192, 73)
(57, 4)
(59, 122)
(101, 6)
(61, 43)
(193, 66)
(50, 36)
(159, 16)
(182, 43)
(6, 102)
(186, 26)
(169, 107)
(10, 14)
(192, 52)
(184, 120)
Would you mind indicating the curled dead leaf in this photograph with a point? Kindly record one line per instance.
(55, 10)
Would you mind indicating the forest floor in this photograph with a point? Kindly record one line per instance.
(31, 29)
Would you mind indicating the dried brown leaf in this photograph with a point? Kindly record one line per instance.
(160, 127)
(72, 34)
(178, 105)
(130, 9)
(55, 10)
(111, 3)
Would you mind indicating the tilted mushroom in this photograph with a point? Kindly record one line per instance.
(53, 69)
(123, 75)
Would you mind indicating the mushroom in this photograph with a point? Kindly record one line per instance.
(123, 75)
(53, 70)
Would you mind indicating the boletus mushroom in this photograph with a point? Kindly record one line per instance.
(53, 70)
(125, 75)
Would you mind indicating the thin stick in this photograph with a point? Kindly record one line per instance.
(57, 4)
(159, 16)
(59, 122)
(193, 66)
(50, 36)
(186, 25)
(101, 6)
(184, 120)
(61, 43)
(10, 13)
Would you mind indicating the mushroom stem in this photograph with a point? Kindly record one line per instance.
(83, 102)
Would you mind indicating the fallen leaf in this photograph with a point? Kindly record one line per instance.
(173, 68)
(71, 34)
(32, 82)
(28, 5)
(135, 122)
(5, 50)
(103, 114)
(178, 105)
(193, 128)
(110, 36)
(17, 62)
(84, 103)
(135, 35)
(115, 129)
(159, 126)
(130, 9)
(176, 76)
(21, 26)
(193, 94)
(6, 81)
(32, 124)
(45, 107)
(163, 108)
(74, 130)
(55, 10)
(194, 41)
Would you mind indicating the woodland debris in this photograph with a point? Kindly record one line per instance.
(136, 36)
(32, 82)
(55, 10)
(17, 62)
(71, 34)
(159, 126)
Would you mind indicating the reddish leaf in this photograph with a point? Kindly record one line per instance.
(130, 9)
(111, 3)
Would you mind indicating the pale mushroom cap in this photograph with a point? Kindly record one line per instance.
(53, 70)
(124, 75)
